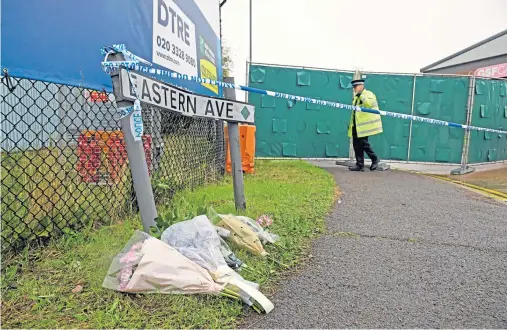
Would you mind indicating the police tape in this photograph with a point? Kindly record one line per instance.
(121, 48)
(125, 111)
(132, 63)
(136, 120)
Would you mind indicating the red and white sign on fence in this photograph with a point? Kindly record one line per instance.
(493, 71)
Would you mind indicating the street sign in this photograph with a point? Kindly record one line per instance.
(148, 90)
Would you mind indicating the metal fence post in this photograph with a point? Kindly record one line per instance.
(136, 157)
(247, 82)
(234, 147)
(464, 168)
(411, 120)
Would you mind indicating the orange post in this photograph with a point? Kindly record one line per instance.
(247, 147)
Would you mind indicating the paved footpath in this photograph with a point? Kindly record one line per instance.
(402, 251)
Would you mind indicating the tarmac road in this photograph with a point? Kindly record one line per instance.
(402, 251)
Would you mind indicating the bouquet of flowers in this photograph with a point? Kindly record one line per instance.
(259, 227)
(130, 260)
(148, 265)
(198, 240)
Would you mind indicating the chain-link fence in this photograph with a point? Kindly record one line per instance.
(187, 151)
(64, 164)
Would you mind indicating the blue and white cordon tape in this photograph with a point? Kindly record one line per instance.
(132, 62)
(136, 120)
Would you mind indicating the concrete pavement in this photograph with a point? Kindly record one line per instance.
(402, 251)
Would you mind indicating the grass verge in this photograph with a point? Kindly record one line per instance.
(493, 179)
(44, 194)
(37, 286)
(41, 188)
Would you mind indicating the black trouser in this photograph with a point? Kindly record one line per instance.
(361, 145)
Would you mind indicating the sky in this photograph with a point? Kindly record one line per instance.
(371, 35)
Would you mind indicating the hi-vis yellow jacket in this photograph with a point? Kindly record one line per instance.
(367, 124)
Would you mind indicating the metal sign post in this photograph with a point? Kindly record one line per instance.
(137, 86)
(234, 146)
(136, 156)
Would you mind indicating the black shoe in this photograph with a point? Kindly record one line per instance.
(374, 165)
(356, 168)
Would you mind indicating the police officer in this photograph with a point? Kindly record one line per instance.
(364, 124)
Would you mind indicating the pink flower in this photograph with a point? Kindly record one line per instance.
(124, 277)
(264, 221)
(129, 257)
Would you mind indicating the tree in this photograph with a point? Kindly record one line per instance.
(226, 60)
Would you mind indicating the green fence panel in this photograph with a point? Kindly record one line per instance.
(296, 129)
(489, 110)
(394, 94)
(288, 128)
(443, 98)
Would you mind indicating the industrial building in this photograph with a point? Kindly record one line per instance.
(487, 58)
